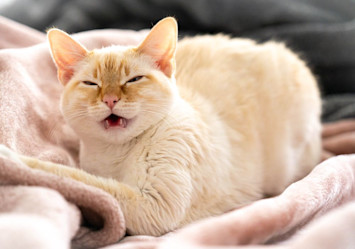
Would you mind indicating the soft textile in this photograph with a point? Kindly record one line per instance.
(36, 217)
(47, 211)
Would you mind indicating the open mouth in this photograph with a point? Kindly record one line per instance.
(114, 121)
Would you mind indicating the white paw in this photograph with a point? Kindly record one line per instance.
(6, 152)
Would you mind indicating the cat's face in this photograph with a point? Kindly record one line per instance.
(116, 93)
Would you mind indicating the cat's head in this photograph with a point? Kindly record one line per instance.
(116, 93)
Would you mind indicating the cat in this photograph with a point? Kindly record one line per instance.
(182, 131)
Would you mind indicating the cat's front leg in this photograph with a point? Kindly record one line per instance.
(154, 206)
(65, 171)
(106, 184)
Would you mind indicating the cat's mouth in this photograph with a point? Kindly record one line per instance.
(114, 121)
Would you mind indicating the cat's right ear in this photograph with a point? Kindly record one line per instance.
(160, 44)
(66, 53)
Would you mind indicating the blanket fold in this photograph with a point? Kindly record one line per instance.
(331, 184)
(36, 217)
(83, 196)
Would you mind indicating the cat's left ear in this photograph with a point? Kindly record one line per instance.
(160, 44)
(66, 53)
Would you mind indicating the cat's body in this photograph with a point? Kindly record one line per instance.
(242, 121)
(265, 99)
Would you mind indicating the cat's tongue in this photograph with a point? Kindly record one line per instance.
(115, 121)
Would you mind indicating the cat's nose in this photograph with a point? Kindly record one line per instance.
(110, 100)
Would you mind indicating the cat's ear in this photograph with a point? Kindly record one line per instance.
(160, 44)
(66, 53)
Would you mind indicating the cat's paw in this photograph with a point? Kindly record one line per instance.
(6, 152)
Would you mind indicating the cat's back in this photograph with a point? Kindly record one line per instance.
(242, 79)
(264, 94)
(217, 65)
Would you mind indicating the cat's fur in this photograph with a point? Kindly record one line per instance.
(242, 120)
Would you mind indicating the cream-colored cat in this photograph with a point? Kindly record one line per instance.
(241, 120)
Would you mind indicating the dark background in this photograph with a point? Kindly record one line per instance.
(322, 31)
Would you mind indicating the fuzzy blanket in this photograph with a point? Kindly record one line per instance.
(40, 210)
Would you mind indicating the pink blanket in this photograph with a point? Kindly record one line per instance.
(40, 210)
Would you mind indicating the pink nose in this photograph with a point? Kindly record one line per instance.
(110, 100)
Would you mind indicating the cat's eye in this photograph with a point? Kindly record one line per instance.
(134, 79)
(89, 83)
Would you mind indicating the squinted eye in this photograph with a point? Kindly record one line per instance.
(89, 83)
(135, 79)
